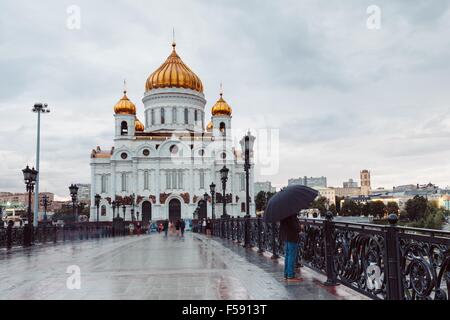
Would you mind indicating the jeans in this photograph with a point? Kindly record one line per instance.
(290, 258)
(165, 232)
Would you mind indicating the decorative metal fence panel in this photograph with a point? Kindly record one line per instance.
(13, 237)
(381, 262)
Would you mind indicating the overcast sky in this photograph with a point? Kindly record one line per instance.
(343, 96)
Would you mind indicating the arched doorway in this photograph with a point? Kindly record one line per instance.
(174, 210)
(146, 212)
(202, 210)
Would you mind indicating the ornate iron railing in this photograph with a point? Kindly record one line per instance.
(13, 237)
(381, 262)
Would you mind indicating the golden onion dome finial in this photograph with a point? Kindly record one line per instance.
(221, 108)
(209, 127)
(174, 73)
(138, 126)
(125, 106)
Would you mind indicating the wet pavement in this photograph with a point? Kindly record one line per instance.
(155, 267)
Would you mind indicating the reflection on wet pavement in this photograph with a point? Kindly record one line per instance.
(154, 267)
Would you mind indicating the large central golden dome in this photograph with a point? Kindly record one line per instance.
(174, 73)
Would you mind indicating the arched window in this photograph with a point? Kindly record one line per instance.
(186, 116)
(163, 116)
(174, 115)
(123, 128)
(103, 212)
(196, 116)
(152, 113)
(222, 128)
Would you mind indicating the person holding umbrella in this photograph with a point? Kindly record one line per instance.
(284, 207)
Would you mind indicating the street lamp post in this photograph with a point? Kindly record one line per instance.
(133, 196)
(114, 207)
(73, 188)
(124, 208)
(38, 108)
(212, 188)
(248, 145)
(224, 178)
(97, 204)
(29, 176)
(45, 204)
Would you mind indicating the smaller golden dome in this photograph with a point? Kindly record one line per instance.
(138, 126)
(209, 127)
(125, 106)
(221, 108)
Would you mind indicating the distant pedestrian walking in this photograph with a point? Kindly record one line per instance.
(204, 225)
(208, 227)
(165, 227)
(182, 227)
(177, 227)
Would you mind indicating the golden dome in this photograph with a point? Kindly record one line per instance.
(138, 126)
(174, 73)
(125, 106)
(221, 108)
(209, 127)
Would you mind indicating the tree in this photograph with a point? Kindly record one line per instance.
(333, 209)
(338, 200)
(260, 201)
(350, 208)
(320, 204)
(366, 209)
(392, 207)
(378, 209)
(416, 208)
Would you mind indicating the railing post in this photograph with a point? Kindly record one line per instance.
(329, 249)
(260, 249)
(9, 234)
(238, 228)
(394, 285)
(233, 232)
(274, 241)
(246, 231)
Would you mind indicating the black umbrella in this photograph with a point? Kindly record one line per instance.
(289, 202)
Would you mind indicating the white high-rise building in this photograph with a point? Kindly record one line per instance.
(168, 162)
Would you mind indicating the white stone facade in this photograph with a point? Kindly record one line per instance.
(174, 158)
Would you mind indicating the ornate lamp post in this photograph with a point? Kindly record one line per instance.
(133, 196)
(74, 194)
(205, 198)
(45, 204)
(247, 144)
(114, 206)
(212, 188)
(38, 108)
(29, 175)
(97, 204)
(224, 178)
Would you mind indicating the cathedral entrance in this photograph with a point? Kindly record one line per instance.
(146, 212)
(202, 210)
(174, 210)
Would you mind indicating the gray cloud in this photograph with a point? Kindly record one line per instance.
(344, 97)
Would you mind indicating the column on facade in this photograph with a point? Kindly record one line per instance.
(93, 188)
(135, 185)
(113, 185)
